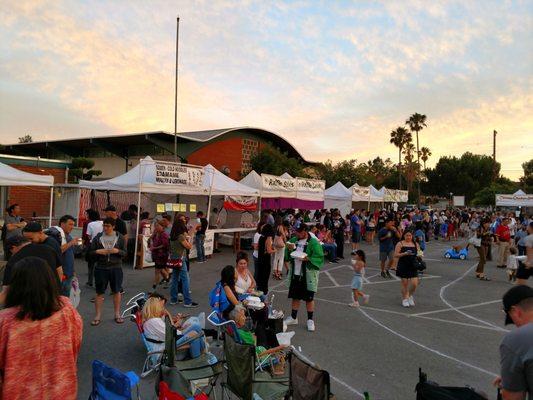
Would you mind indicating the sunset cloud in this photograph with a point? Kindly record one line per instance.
(334, 79)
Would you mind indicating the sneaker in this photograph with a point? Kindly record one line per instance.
(366, 298)
(191, 305)
(89, 284)
(405, 303)
(310, 325)
(355, 304)
(411, 301)
(180, 298)
(290, 321)
(173, 302)
(388, 274)
(383, 274)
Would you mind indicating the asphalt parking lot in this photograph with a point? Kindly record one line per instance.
(452, 333)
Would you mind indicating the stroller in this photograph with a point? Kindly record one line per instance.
(428, 390)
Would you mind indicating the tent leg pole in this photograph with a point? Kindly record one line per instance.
(51, 206)
(138, 219)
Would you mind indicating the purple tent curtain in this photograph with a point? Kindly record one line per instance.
(282, 203)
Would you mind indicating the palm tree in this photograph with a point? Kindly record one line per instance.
(410, 164)
(399, 138)
(416, 123)
(425, 153)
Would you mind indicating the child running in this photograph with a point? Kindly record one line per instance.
(359, 263)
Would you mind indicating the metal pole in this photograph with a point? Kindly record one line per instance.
(51, 206)
(138, 217)
(494, 175)
(176, 94)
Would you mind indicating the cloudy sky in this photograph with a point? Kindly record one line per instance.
(332, 77)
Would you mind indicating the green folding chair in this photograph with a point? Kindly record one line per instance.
(242, 379)
(307, 380)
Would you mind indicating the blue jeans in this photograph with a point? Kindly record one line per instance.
(197, 346)
(331, 249)
(180, 275)
(200, 251)
(66, 285)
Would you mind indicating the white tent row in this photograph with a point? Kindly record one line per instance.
(517, 199)
(10, 176)
(160, 177)
(341, 197)
(285, 186)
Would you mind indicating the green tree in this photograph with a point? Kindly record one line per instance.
(82, 169)
(416, 123)
(399, 138)
(526, 181)
(270, 160)
(378, 170)
(487, 195)
(410, 166)
(25, 139)
(425, 153)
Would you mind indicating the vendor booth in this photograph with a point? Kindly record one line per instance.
(340, 197)
(282, 192)
(10, 176)
(517, 199)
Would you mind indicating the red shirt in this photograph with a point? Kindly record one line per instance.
(38, 358)
(503, 232)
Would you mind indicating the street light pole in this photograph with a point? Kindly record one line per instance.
(176, 93)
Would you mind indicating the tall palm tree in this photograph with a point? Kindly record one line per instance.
(425, 153)
(416, 123)
(399, 138)
(410, 167)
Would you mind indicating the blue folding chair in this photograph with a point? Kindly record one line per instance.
(111, 384)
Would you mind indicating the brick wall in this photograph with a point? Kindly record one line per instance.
(34, 199)
(223, 153)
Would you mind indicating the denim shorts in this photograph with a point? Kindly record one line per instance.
(357, 282)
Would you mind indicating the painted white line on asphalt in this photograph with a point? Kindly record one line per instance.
(272, 289)
(351, 389)
(457, 323)
(332, 279)
(457, 308)
(433, 259)
(437, 352)
(441, 294)
(369, 308)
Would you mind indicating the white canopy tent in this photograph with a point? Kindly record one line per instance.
(221, 185)
(10, 176)
(338, 196)
(517, 199)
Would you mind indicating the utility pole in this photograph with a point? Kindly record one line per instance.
(176, 94)
(494, 173)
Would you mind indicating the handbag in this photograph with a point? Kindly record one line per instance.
(278, 242)
(475, 241)
(174, 263)
(420, 264)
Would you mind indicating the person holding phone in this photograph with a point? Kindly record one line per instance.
(406, 251)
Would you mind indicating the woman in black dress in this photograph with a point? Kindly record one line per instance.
(265, 249)
(406, 251)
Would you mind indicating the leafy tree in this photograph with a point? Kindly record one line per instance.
(25, 139)
(399, 138)
(82, 169)
(416, 123)
(487, 195)
(378, 170)
(270, 160)
(466, 175)
(527, 180)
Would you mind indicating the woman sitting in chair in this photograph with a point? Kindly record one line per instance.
(153, 315)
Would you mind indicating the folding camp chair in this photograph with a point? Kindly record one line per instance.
(111, 384)
(427, 390)
(179, 374)
(242, 379)
(218, 322)
(307, 380)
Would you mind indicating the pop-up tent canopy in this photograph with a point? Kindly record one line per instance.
(278, 192)
(222, 185)
(376, 196)
(395, 196)
(517, 199)
(338, 196)
(10, 176)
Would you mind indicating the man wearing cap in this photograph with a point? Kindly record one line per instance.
(303, 274)
(516, 348)
(34, 233)
(21, 248)
(13, 224)
(120, 226)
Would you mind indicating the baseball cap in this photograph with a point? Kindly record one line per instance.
(33, 227)
(110, 208)
(514, 296)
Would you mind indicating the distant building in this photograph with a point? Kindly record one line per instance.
(229, 150)
(34, 200)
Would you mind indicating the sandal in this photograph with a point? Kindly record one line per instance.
(483, 278)
(119, 320)
(95, 322)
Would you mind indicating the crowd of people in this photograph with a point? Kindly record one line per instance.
(40, 271)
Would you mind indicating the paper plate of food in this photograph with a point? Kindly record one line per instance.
(300, 255)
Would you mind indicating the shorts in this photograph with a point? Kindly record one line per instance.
(522, 272)
(298, 290)
(357, 282)
(384, 255)
(356, 236)
(105, 277)
(370, 229)
(160, 266)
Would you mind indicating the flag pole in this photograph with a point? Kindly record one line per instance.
(176, 94)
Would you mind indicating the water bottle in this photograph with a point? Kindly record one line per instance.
(270, 306)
